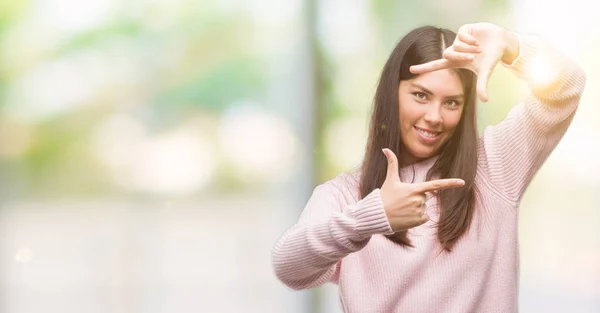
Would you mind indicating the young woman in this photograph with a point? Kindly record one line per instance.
(429, 223)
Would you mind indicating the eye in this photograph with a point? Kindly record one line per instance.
(452, 103)
(420, 95)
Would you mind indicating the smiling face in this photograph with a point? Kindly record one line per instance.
(430, 108)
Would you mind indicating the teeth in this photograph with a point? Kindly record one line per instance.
(426, 133)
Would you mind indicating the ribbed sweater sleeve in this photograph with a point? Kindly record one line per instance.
(514, 150)
(307, 253)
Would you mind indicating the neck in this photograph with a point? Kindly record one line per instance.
(409, 160)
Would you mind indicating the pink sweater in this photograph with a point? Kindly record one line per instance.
(340, 239)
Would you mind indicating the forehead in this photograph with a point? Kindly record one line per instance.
(441, 82)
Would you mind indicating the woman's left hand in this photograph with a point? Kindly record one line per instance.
(477, 47)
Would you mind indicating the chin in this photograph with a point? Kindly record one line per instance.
(423, 153)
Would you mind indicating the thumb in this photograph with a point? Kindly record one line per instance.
(392, 168)
(483, 75)
(482, 80)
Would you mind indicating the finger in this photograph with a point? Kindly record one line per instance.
(419, 202)
(460, 46)
(482, 81)
(455, 56)
(428, 195)
(439, 184)
(431, 66)
(424, 218)
(392, 167)
(465, 37)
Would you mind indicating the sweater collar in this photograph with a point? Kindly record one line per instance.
(417, 172)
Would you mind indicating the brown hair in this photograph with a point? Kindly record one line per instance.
(457, 158)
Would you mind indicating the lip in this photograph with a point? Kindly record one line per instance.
(427, 140)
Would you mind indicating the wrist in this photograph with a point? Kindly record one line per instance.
(511, 47)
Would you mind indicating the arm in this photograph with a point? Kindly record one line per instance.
(307, 254)
(515, 149)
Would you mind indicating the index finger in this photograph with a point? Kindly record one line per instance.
(467, 38)
(439, 184)
(430, 66)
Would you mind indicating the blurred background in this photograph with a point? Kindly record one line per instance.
(152, 152)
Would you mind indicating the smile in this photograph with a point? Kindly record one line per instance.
(426, 133)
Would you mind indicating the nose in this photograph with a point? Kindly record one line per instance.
(433, 115)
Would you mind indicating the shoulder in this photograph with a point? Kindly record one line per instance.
(344, 186)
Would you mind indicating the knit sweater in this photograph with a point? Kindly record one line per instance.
(340, 238)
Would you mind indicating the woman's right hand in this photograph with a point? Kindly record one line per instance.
(404, 203)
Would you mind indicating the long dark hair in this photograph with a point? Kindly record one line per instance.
(458, 156)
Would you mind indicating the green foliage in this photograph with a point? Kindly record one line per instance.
(218, 88)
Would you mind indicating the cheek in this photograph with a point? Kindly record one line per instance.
(408, 112)
(451, 120)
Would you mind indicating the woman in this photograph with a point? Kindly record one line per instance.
(430, 224)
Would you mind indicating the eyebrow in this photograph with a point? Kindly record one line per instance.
(427, 91)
